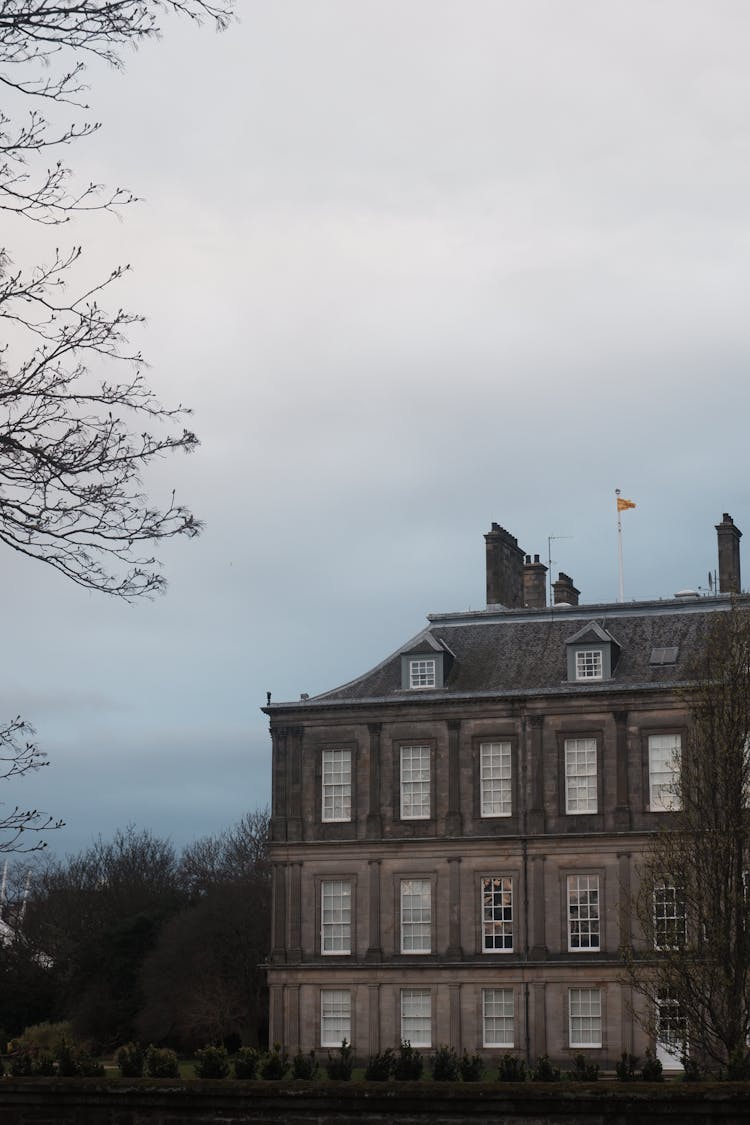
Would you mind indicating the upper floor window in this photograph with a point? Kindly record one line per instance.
(415, 782)
(589, 664)
(669, 917)
(335, 1016)
(664, 752)
(583, 912)
(585, 1017)
(497, 914)
(497, 1017)
(337, 785)
(495, 779)
(422, 673)
(580, 775)
(416, 916)
(416, 1017)
(335, 916)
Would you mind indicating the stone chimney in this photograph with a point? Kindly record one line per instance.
(504, 568)
(534, 583)
(564, 591)
(729, 556)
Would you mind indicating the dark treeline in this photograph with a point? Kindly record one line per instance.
(129, 940)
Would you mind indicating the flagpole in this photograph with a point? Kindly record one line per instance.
(619, 546)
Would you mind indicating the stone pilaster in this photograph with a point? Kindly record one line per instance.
(622, 809)
(536, 771)
(374, 949)
(374, 816)
(453, 826)
(278, 913)
(538, 939)
(454, 951)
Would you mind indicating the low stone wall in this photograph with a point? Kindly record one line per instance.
(55, 1101)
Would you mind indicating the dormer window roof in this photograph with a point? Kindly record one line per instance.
(592, 654)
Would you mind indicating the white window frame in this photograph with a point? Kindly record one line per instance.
(585, 1017)
(422, 673)
(664, 751)
(335, 1016)
(669, 917)
(495, 779)
(498, 1017)
(416, 1017)
(581, 777)
(336, 785)
(335, 917)
(671, 1031)
(416, 915)
(497, 913)
(590, 664)
(584, 913)
(416, 782)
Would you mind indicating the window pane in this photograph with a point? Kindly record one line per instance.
(580, 775)
(497, 1017)
(416, 916)
(497, 914)
(336, 916)
(583, 912)
(663, 768)
(495, 779)
(671, 1026)
(337, 785)
(585, 1013)
(421, 673)
(335, 1016)
(415, 782)
(416, 1017)
(669, 917)
(589, 664)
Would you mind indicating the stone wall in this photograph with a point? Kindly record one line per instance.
(95, 1102)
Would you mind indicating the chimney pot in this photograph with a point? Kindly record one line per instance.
(564, 590)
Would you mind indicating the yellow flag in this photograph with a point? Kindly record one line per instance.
(623, 505)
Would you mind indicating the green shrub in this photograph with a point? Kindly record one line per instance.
(161, 1062)
(43, 1065)
(408, 1064)
(380, 1066)
(211, 1062)
(652, 1068)
(305, 1067)
(627, 1068)
(692, 1070)
(275, 1064)
(46, 1037)
(131, 1060)
(544, 1071)
(21, 1064)
(73, 1060)
(738, 1066)
(471, 1067)
(339, 1067)
(246, 1063)
(583, 1071)
(511, 1069)
(444, 1065)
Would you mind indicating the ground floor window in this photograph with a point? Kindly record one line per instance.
(497, 1017)
(585, 1017)
(335, 1016)
(416, 1016)
(671, 1030)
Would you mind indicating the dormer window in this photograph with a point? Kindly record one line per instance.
(422, 673)
(592, 654)
(425, 665)
(589, 664)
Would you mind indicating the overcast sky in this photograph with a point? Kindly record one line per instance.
(416, 267)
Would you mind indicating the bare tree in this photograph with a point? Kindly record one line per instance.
(693, 902)
(18, 755)
(74, 442)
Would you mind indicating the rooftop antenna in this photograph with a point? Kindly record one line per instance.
(550, 540)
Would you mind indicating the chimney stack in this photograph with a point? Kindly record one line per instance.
(729, 555)
(534, 583)
(564, 591)
(504, 569)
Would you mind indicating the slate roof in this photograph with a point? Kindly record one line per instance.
(501, 652)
